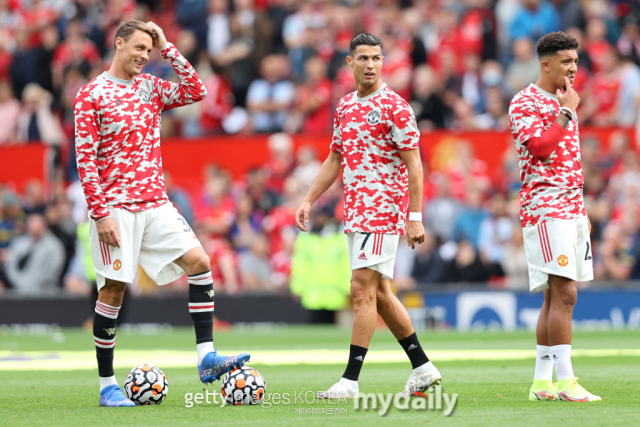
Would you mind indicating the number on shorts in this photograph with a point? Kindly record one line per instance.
(587, 255)
(365, 240)
(187, 229)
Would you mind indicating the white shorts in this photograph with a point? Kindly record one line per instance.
(153, 238)
(374, 251)
(561, 248)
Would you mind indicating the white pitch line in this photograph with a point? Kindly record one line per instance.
(75, 360)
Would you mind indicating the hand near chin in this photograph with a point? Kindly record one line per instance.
(160, 40)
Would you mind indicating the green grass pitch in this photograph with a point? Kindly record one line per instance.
(490, 371)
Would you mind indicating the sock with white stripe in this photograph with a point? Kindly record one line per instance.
(201, 311)
(104, 336)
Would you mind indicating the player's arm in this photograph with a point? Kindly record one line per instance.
(86, 115)
(328, 174)
(190, 89)
(415, 229)
(542, 146)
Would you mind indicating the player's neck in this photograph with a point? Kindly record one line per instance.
(364, 91)
(546, 85)
(119, 72)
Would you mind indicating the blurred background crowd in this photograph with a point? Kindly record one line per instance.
(278, 67)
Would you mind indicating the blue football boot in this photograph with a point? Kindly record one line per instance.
(214, 365)
(112, 396)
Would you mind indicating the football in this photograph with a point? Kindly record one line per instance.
(244, 386)
(146, 385)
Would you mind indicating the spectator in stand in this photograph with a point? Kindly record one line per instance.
(218, 104)
(514, 261)
(629, 93)
(629, 42)
(271, 97)
(23, 68)
(9, 111)
(312, 110)
(281, 162)
(442, 211)
(247, 225)
(61, 225)
(524, 68)
(496, 116)
(617, 256)
(34, 261)
(215, 212)
(33, 199)
(255, 266)
(471, 216)
(74, 50)
(428, 105)
(398, 68)
(36, 122)
(11, 219)
(179, 197)
(466, 267)
(534, 19)
(307, 168)
(428, 265)
(596, 44)
(602, 107)
(495, 235)
(218, 27)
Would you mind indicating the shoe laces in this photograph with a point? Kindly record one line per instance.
(577, 387)
(413, 382)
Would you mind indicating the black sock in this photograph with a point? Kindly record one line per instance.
(201, 305)
(356, 359)
(414, 350)
(104, 335)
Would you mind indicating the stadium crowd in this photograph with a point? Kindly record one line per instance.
(277, 66)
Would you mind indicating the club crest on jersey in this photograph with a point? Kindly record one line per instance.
(117, 264)
(563, 261)
(374, 116)
(144, 95)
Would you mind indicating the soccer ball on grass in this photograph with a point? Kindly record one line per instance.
(146, 385)
(244, 386)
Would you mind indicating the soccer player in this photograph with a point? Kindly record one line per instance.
(554, 221)
(376, 145)
(117, 129)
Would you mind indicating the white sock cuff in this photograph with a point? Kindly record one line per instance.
(543, 349)
(561, 348)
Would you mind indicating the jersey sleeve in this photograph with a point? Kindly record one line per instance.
(404, 131)
(190, 89)
(525, 120)
(336, 140)
(86, 114)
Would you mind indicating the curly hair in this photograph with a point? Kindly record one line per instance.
(551, 43)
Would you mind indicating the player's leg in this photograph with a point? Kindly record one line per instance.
(211, 365)
(364, 283)
(115, 267)
(543, 387)
(397, 318)
(564, 293)
(108, 306)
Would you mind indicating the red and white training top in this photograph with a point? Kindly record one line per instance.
(551, 189)
(369, 133)
(117, 130)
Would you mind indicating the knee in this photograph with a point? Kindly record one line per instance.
(381, 298)
(566, 295)
(362, 294)
(200, 264)
(112, 293)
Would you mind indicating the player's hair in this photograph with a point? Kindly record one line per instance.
(127, 28)
(551, 43)
(366, 39)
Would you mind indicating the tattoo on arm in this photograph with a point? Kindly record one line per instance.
(562, 120)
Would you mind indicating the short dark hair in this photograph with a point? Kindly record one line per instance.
(127, 28)
(551, 43)
(366, 39)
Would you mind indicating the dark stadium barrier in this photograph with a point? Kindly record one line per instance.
(172, 310)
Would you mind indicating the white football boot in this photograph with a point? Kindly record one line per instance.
(421, 382)
(343, 389)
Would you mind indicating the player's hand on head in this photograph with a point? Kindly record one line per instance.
(108, 232)
(415, 233)
(569, 98)
(302, 216)
(160, 39)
